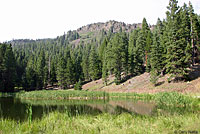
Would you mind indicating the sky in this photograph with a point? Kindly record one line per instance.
(36, 19)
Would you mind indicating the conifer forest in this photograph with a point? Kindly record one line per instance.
(171, 47)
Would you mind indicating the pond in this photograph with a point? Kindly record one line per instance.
(17, 109)
(20, 110)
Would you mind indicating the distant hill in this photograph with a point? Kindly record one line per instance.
(110, 25)
(86, 34)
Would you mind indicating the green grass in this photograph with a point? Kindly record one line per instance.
(174, 98)
(61, 123)
(62, 94)
(163, 98)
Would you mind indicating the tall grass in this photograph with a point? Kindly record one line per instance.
(163, 98)
(174, 98)
(62, 94)
(29, 112)
(60, 123)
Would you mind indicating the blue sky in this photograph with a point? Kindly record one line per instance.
(35, 19)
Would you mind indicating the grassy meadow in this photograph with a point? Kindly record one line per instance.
(62, 123)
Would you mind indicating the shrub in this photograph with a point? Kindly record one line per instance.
(78, 85)
(153, 78)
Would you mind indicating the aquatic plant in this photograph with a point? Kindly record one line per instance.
(29, 112)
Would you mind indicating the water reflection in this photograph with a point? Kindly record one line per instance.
(16, 109)
(13, 108)
(118, 107)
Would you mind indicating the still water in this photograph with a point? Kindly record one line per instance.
(17, 109)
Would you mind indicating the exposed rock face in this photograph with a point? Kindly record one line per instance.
(110, 25)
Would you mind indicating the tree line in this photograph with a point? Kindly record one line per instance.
(171, 47)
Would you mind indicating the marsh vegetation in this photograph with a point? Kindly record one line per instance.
(119, 112)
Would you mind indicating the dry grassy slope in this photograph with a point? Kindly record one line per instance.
(141, 84)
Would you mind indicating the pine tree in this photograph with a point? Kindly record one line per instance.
(105, 69)
(185, 36)
(53, 73)
(31, 76)
(69, 73)
(163, 43)
(78, 67)
(20, 68)
(41, 70)
(157, 50)
(94, 69)
(147, 42)
(118, 56)
(176, 45)
(45, 77)
(125, 56)
(139, 54)
(103, 58)
(102, 49)
(2, 66)
(85, 63)
(61, 68)
(148, 51)
(9, 70)
(131, 47)
(195, 34)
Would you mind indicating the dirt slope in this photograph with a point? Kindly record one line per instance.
(142, 84)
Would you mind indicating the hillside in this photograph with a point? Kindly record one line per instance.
(142, 84)
(85, 34)
(97, 31)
